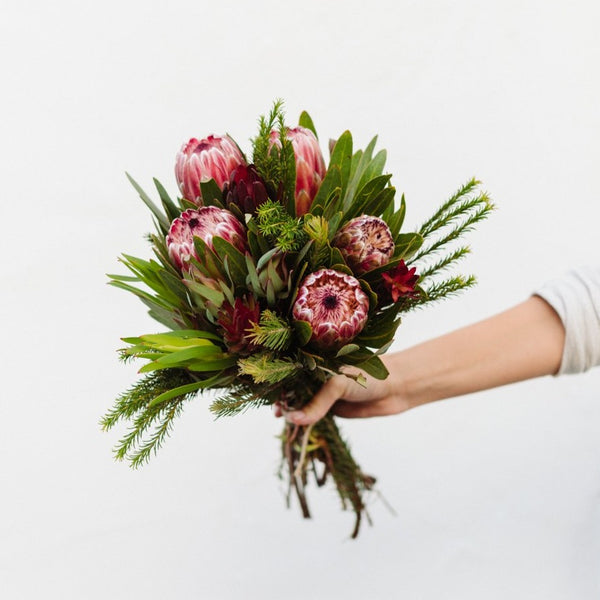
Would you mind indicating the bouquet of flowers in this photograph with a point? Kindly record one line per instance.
(273, 274)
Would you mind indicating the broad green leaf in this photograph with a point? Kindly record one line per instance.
(374, 367)
(366, 288)
(214, 296)
(211, 193)
(303, 332)
(306, 121)
(174, 284)
(347, 349)
(396, 220)
(331, 182)
(342, 157)
(374, 168)
(366, 197)
(235, 259)
(212, 365)
(170, 343)
(407, 244)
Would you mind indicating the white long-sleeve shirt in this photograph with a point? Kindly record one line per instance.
(576, 299)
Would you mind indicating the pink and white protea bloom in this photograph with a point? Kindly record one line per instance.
(214, 157)
(365, 243)
(206, 223)
(334, 305)
(310, 166)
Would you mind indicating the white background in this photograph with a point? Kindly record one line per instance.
(497, 494)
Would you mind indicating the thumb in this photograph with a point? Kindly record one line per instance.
(322, 401)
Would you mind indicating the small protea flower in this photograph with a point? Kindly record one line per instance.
(245, 189)
(334, 305)
(310, 166)
(235, 322)
(365, 243)
(400, 281)
(213, 157)
(205, 222)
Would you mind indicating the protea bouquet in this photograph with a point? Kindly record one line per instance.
(271, 275)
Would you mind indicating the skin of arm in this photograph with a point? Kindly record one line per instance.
(523, 342)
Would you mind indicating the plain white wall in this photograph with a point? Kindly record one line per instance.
(497, 494)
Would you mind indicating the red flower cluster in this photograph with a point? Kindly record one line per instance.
(236, 320)
(400, 281)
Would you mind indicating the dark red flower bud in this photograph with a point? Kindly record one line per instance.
(246, 189)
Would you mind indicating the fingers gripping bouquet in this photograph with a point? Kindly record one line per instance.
(272, 275)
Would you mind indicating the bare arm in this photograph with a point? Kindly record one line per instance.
(523, 342)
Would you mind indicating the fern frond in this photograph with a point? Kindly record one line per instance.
(157, 421)
(264, 368)
(444, 263)
(272, 332)
(238, 401)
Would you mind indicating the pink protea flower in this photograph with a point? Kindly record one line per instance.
(213, 157)
(205, 222)
(334, 305)
(365, 243)
(310, 166)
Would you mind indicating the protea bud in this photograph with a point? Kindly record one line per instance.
(205, 223)
(246, 189)
(365, 243)
(273, 273)
(213, 157)
(310, 166)
(236, 320)
(334, 305)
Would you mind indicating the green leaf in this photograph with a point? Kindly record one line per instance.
(375, 167)
(368, 197)
(358, 170)
(407, 244)
(123, 277)
(211, 193)
(342, 157)
(214, 296)
(192, 333)
(366, 288)
(142, 294)
(162, 219)
(172, 211)
(167, 342)
(185, 389)
(396, 220)
(181, 358)
(174, 284)
(303, 332)
(306, 121)
(212, 365)
(347, 349)
(374, 367)
(331, 182)
(236, 261)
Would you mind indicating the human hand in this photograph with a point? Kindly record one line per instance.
(346, 398)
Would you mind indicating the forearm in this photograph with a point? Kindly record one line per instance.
(523, 342)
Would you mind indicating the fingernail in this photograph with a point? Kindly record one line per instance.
(295, 416)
